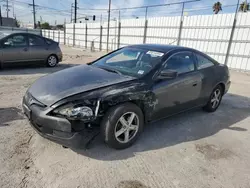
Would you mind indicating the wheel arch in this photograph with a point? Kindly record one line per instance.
(223, 86)
(53, 55)
(140, 103)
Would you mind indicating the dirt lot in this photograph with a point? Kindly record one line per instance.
(195, 149)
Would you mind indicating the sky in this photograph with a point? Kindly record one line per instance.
(56, 11)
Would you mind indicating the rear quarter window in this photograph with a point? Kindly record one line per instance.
(203, 62)
(49, 41)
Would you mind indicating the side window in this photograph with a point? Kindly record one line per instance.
(203, 62)
(181, 62)
(35, 41)
(15, 41)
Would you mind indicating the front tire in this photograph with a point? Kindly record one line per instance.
(122, 125)
(52, 61)
(214, 100)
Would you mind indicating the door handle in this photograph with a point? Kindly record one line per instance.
(25, 49)
(194, 84)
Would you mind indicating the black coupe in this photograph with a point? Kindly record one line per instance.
(121, 91)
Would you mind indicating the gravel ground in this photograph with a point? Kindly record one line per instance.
(194, 149)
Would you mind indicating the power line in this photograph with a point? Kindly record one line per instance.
(145, 6)
(7, 8)
(41, 6)
(62, 4)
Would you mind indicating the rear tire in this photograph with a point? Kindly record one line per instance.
(52, 61)
(122, 125)
(214, 100)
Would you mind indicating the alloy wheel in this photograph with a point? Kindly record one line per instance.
(216, 97)
(126, 127)
(52, 61)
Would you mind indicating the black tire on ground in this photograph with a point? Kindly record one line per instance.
(209, 106)
(111, 125)
(52, 61)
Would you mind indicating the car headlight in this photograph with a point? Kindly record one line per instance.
(76, 112)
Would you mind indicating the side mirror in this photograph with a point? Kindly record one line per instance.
(168, 74)
(6, 44)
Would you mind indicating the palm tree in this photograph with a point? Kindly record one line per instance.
(244, 7)
(217, 7)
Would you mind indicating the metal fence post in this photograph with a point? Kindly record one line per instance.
(74, 34)
(86, 36)
(232, 34)
(64, 35)
(100, 45)
(49, 33)
(146, 26)
(145, 32)
(119, 35)
(59, 35)
(41, 32)
(53, 34)
(181, 25)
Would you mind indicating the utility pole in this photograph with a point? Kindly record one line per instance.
(7, 8)
(34, 14)
(75, 11)
(13, 9)
(119, 16)
(71, 15)
(101, 20)
(108, 25)
(1, 20)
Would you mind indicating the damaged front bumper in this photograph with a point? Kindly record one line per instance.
(59, 130)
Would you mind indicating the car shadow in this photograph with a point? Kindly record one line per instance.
(33, 69)
(9, 114)
(185, 127)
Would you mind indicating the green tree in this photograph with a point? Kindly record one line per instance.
(18, 23)
(244, 7)
(45, 25)
(60, 26)
(217, 7)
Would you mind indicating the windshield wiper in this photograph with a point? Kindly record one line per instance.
(111, 70)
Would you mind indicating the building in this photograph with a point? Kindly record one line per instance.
(8, 22)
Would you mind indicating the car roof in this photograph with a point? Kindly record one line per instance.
(7, 33)
(159, 47)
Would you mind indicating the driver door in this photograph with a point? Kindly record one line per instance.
(180, 93)
(15, 49)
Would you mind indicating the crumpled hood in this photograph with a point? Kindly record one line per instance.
(56, 86)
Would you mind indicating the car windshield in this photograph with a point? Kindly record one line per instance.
(130, 61)
(2, 35)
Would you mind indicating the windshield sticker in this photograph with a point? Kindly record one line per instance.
(141, 72)
(155, 54)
